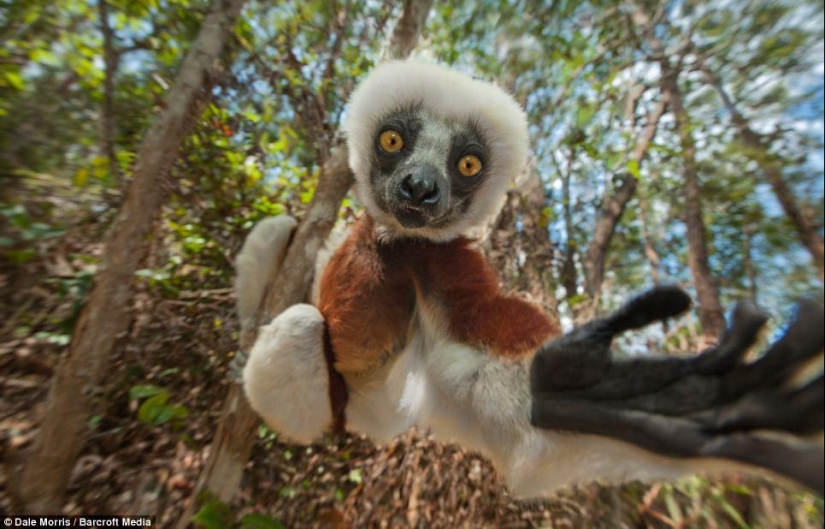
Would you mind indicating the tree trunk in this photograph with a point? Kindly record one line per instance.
(651, 254)
(110, 60)
(802, 219)
(615, 205)
(711, 315)
(508, 242)
(569, 279)
(750, 267)
(406, 32)
(106, 314)
(538, 267)
(221, 476)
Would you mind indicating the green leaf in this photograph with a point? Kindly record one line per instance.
(355, 476)
(43, 56)
(53, 338)
(15, 80)
(143, 391)
(673, 506)
(213, 515)
(634, 169)
(21, 256)
(739, 489)
(94, 422)
(151, 409)
(81, 177)
(168, 372)
(306, 196)
(261, 521)
(731, 511)
(584, 114)
(288, 492)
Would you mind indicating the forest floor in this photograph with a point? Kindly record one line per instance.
(183, 343)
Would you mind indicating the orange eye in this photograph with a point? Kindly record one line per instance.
(469, 165)
(391, 141)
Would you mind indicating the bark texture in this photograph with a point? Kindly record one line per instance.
(651, 254)
(569, 277)
(518, 245)
(711, 314)
(106, 314)
(408, 29)
(237, 428)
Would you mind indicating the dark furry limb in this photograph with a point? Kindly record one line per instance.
(712, 405)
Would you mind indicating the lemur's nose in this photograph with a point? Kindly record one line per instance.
(420, 188)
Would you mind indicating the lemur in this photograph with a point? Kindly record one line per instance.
(407, 324)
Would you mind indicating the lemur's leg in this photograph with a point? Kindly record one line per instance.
(286, 377)
(258, 262)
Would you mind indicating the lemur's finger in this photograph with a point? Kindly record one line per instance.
(746, 322)
(798, 411)
(582, 358)
(812, 397)
(803, 340)
(657, 304)
(636, 378)
(670, 436)
(801, 461)
(682, 438)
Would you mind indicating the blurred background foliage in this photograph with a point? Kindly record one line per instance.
(80, 81)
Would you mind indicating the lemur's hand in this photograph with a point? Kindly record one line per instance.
(237, 365)
(712, 405)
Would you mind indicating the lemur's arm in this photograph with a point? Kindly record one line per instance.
(367, 299)
(460, 283)
(711, 406)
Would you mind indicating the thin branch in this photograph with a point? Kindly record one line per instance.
(111, 63)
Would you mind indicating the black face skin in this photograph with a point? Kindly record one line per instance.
(421, 185)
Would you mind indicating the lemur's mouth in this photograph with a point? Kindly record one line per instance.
(412, 209)
(411, 216)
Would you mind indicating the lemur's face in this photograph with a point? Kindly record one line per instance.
(432, 149)
(425, 170)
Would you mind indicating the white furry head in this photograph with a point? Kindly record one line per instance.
(454, 98)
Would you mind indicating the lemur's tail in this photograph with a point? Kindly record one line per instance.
(257, 263)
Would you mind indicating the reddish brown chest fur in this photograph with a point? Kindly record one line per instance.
(367, 298)
(369, 293)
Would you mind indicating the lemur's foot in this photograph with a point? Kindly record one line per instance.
(258, 261)
(286, 377)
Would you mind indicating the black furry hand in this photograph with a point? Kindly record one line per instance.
(712, 405)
